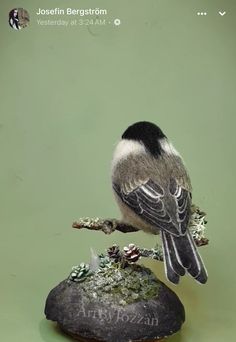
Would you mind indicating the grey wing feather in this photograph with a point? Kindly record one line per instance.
(150, 202)
(182, 199)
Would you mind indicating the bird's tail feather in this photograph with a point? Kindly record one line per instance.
(181, 255)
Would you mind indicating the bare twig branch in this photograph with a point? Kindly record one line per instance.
(154, 253)
(108, 226)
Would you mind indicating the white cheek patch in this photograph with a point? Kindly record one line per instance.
(126, 147)
(168, 147)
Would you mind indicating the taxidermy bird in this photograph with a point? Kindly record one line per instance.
(153, 191)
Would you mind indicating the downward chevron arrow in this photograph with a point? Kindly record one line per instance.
(222, 13)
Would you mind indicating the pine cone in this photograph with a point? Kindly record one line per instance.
(79, 273)
(131, 253)
(105, 261)
(114, 252)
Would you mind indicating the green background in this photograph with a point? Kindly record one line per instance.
(67, 94)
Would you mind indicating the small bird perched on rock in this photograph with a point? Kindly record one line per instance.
(153, 191)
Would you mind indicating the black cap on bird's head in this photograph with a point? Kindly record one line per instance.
(147, 133)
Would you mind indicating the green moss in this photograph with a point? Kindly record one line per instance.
(121, 286)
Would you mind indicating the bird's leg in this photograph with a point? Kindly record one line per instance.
(125, 228)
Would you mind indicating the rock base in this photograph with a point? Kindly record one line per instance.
(114, 317)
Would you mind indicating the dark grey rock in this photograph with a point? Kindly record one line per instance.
(85, 315)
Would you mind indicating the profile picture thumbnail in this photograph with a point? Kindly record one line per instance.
(18, 18)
